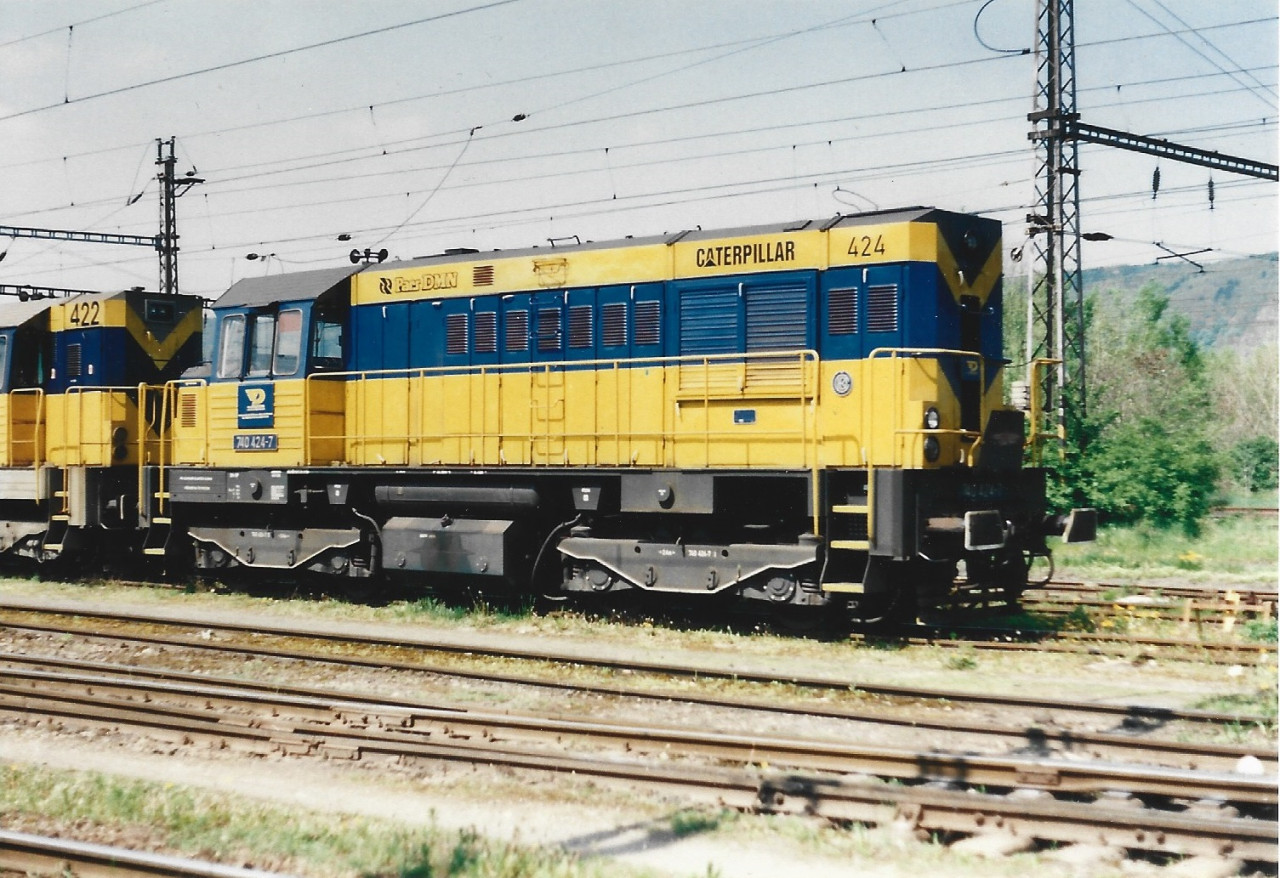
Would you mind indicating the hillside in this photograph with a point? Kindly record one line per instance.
(1230, 304)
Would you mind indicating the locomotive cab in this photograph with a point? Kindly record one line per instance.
(274, 400)
(260, 404)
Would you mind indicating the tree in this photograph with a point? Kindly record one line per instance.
(1247, 423)
(1144, 451)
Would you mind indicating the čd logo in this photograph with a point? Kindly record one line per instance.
(256, 406)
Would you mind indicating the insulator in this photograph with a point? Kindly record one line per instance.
(1155, 183)
(1211, 193)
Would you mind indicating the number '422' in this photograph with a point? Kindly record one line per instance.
(86, 314)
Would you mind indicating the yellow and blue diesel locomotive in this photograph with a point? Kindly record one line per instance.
(799, 415)
(81, 391)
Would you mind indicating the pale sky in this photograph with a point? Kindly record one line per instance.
(418, 126)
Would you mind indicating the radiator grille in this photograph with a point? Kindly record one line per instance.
(188, 408)
(842, 311)
(580, 335)
(549, 329)
(882, 308)
(455, 329)
(614, 318)
(486, 332)
(648, 323)
(517, 330)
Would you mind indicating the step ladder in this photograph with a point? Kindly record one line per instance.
(55, 537)
(862, 508)
(157, 538)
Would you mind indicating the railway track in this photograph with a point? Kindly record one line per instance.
(1223, 652)
(28, 854)
(278, 641)
(88, 680)
(1071, 801)
(1197, 592)
(1183, 604)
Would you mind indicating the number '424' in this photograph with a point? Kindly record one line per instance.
(866, 245)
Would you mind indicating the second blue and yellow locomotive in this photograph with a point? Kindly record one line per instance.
(83, 385)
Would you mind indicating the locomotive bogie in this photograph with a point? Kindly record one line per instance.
(319, 550)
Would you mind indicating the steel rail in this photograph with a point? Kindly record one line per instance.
(1260, 593)
(997, 638)
(395, 727)
(1133, 712)
(1215, 593)
(102, 677)
(34, 854)
(1211, 603)
(1158, 609)
(786, 792)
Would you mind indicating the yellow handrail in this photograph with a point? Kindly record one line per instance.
(1035, 436)
(900, 432)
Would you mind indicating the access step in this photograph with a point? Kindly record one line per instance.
(843, 587)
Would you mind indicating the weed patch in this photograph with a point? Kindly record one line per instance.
(215, 826)
(1259, 630)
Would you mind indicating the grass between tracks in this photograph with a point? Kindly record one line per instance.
(221, 828)
(1229, 551)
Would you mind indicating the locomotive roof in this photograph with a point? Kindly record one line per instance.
(15, 312)
(294, 287)
(311, 285)
(896, 215)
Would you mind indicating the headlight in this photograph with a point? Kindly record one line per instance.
(932, 448)
(932, 420)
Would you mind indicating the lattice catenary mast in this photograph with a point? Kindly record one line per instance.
(165, 243)
(1055, 310)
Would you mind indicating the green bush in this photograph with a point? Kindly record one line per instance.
(1255, 463)
(1150, 471)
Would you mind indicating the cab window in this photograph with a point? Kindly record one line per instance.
(231, 353)
(288, 354)
(4, 362)
(261, 342)
(326, 343)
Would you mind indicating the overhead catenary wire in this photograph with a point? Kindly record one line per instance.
(1180, 36)
(616, 166)
(569, 72)
(897, 170)
(82, 22)
(603, 206)
(267, 56)
(712, 191)
(364, 152)
(224, 186)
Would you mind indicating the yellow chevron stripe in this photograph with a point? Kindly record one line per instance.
(161, 351)
(980, 286)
